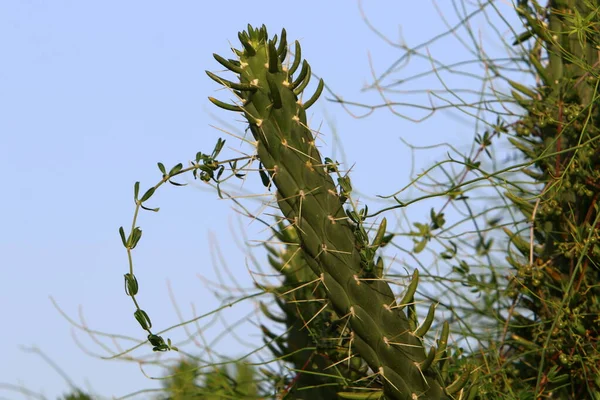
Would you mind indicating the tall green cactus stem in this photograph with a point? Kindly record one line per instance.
(269, 99)
(316, 341)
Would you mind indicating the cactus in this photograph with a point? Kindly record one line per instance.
(315, 341)
(333, 240)
(554, 346)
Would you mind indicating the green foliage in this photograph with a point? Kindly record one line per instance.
(554, 325)
(527, 321)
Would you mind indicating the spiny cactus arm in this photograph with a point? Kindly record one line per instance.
(308, 198)
(314, 338)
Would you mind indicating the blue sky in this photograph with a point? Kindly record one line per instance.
(93, 94)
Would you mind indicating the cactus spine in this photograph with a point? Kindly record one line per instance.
(268, 97)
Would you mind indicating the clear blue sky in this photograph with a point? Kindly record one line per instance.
(93, 94)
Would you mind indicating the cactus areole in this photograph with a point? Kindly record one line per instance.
(269, 94)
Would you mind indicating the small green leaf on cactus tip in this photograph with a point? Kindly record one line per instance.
(379, 268)
(282, 48)
(315, 96)
(301, 75)
(460, 382)
(228, 64)
(275, 95)
(246, 43)
(298, 89)
(229, 84)
(443, 340)
(424, 328)
(361, 396)
(380, 233)
(410, 291)
(273, 58)
(264, 176)
(297, 58)
(225, 106)
(428, 361)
